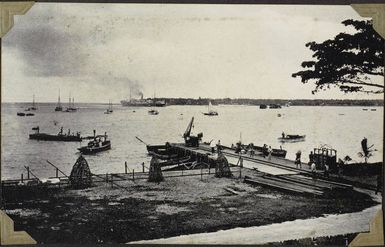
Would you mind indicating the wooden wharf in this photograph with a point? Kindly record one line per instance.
(276, 173)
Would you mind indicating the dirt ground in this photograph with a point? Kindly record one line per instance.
(143, 210)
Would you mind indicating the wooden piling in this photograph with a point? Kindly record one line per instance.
(112, 180)
(143, 166)
(107, 178)
(133, 174)
(27, 172)
(125, 167)
(22, 177)
(57, 172)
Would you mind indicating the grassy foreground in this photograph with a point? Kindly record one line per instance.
(105, 214)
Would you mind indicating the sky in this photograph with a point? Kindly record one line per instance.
(101, 52)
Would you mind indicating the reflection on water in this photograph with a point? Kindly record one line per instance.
(339, 127)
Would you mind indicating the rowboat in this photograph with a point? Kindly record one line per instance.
(153, 112)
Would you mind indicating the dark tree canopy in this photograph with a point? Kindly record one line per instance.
(349, 61)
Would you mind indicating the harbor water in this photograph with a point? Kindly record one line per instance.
(341, 128)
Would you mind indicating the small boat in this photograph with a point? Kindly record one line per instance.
(20, 114)
(373, 109)
(265, 151)
(109, 110)
(58, 106)
(59, 137)
(30, 114)
(274, 106)
(153, 112)
(364, 109)
(262, 106)
(292, 138)
(210, 111)
(279, 115)
(98, 144)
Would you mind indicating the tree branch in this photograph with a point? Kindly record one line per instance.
(363, 83)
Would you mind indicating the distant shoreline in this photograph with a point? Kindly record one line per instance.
(252, 102)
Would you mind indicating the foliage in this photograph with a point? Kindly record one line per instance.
(349, 61)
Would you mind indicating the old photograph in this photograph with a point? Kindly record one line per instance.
(192, 124)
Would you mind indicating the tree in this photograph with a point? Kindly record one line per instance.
(349, 61)
(367, 152)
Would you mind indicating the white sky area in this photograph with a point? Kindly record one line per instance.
(97, 52)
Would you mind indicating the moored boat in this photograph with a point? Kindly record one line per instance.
(59, 137)
(265, 151)
(274, 106)
(153, 112)
(33, 108)
(58, 106)
(109, 109)
(20, 114)
(292, 138)
(98, 144)
(262, 106)
(71, 106)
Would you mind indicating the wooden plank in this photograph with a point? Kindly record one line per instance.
(282, 186)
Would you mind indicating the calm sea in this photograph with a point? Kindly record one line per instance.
(341, 128)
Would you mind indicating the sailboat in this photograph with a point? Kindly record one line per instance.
(33, 108)
(109, 109)
(210, 111)
(71, 107)
(58, 106)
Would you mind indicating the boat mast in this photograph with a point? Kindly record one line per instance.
(58, 100)
(73, 102)
(33, 102)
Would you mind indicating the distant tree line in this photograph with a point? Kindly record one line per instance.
(282, 102)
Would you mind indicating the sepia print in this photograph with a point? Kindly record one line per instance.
(191, 124)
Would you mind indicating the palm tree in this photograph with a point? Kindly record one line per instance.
(367, 152)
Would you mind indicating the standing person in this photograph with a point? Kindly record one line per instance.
(312, 167)
(219, 146)
(340, 163)
(311, 158)
(326, 172)
(283, 135)
(298, 160)
(212, 146)
(269, 151)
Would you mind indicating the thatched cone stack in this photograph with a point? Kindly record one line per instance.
(155, 173)
(81, 176)
(222, 168)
